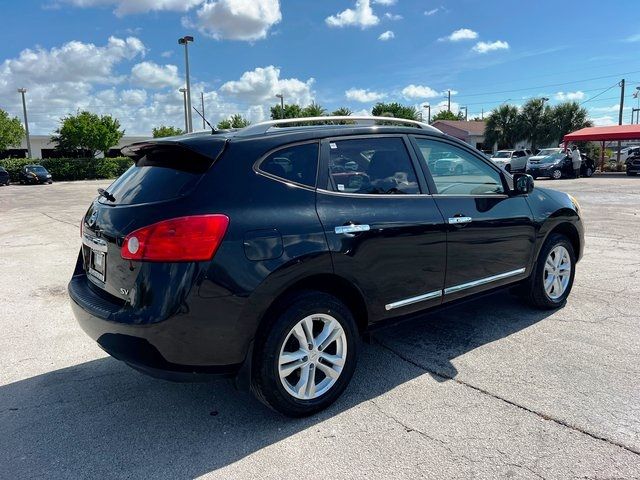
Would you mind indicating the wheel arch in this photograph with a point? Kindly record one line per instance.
(570, 231)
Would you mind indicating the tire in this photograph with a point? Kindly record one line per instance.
(278, 338)
(589, 172)
(556, 174)
(535, 291)
(631, 174)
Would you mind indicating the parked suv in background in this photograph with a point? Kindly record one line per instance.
(266, 252)
(512, 160)
(555, 163)
(633, 165)
(4, 177)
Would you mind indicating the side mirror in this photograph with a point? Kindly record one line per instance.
(522, 183)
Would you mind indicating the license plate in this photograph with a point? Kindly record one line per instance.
(97, 266)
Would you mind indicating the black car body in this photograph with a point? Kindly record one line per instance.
(33, 174)
(4, 177)
(559, 165)
(633, 165)
(347, 216)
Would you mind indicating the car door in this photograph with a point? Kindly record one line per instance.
(385, 233)
(491, 232)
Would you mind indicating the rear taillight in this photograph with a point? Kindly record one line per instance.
(183, 239)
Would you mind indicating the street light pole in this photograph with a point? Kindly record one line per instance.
(428, 107)
(22, 91)
(281, 97)
(466, 112)
(448, 100)
(185, 41)
(202, 108)
(186, 118)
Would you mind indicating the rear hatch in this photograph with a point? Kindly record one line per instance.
(156, 188)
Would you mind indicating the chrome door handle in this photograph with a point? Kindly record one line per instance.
(352, 228)
(459, 220)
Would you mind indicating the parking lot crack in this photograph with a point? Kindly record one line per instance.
(59, 220)
(542, 415)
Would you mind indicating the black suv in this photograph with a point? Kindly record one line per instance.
(266, 252)
(31, 174)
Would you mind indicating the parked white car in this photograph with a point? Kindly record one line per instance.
(625, 153)
(512, 160)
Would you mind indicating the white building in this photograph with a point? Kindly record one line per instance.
(42, 147)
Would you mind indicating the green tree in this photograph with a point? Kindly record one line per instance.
(447, 115)
(313, 110)
(342, 112)
(568, 117)
(235, 121)
(11, 131)
(290, 111)
(163, 131)
(396, 110)
(536, 122)
(503, 127)
(89, 132)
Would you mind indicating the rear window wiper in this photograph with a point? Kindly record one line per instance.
(103, 193)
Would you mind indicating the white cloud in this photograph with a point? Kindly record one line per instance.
(569, 96)
(134, 96)
(612, 108)
(633, 38)
(392, 16)
(361, 16)
(385, 2)
(167, 54)
(152, 75)
(238, 19)
(388, 35)
(433, 11)
(363, 95)
(603, 121)
(419, 91)
(484, 47)
(127, 7)
(460, 34)
(259, 86)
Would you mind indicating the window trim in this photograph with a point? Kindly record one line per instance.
(263, 157)
(323, 165)
(467, 148)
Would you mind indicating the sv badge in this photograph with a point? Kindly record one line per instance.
(124, 291)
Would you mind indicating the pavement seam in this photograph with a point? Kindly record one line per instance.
(58, 220)
(509, 402)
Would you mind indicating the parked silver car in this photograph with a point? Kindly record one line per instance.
(512, 160)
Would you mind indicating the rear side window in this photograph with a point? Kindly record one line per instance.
(371, 166)
(162, 173)
(297, 163)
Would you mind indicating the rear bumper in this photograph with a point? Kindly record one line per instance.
(180, 347)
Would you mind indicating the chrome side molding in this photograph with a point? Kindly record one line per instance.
(352, 229)
(483, 281)
(409, 301)
(454, 289)
(458, 220)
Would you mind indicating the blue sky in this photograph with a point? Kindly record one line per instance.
(121, 56)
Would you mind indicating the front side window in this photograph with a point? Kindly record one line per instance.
(456, 171)
(371, 166)
(297, 163)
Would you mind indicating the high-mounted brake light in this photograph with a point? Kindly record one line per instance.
(183, 239)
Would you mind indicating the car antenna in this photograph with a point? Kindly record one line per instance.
(213, 129)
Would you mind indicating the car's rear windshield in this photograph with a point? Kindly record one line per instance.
(502, 155)
(161, 173)
(37, 169)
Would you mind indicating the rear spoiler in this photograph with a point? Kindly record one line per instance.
(207, 145)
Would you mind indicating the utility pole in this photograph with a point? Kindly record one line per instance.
(185, 41)
(466, 113)
(482, 114)
(26, 121)
(428, 107)
(448, 100)
(620, 115)
(281, 97)
(186, 117)
(202, 106)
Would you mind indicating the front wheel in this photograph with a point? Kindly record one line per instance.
(552, 278)
(589, 172)
(306, 356)
(556, 174)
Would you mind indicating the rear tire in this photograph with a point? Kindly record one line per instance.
(556, 174)
(589, 172)
(289, 376)
(552, 278)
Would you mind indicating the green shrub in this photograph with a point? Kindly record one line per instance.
(71, 168)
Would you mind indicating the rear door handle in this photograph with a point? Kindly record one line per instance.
(352, 228)
(459, 220)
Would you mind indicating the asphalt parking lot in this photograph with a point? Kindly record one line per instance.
(489, 389)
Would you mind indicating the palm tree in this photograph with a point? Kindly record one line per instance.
(503, 127)
(536, 122)
(568, 117)
(313, 110)
(341, 112)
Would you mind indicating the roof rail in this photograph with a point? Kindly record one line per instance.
(270, 125)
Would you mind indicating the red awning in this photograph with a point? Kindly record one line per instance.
(614, 132)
